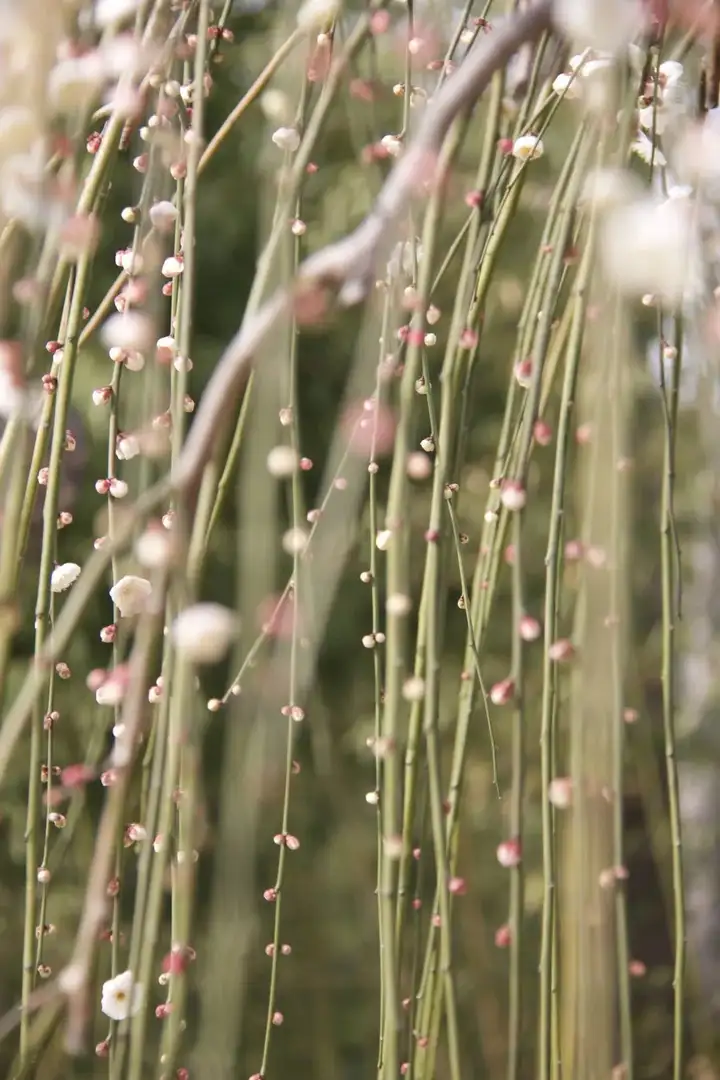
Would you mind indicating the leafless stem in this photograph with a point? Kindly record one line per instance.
(346, 267)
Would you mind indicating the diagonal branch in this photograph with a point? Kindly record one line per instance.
(347, 266)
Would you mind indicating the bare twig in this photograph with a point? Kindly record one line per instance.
(347, 266)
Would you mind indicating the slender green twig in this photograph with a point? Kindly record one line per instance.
(669, 617)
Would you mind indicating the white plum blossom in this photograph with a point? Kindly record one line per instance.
(282, 461)
(131, 594)
(19, 129)
(63, 576)
(606, 25)
(203, 632)
(650, 246)
(132, 330)
(73, 83)
(172, 267)
(275, 104)
(642, 147)
(286, 138)
(121, 997)
(163, 215)
(127, 447)
(566, 85)
(110, 12)
(606, 187)
(314, 14)
(528, 148)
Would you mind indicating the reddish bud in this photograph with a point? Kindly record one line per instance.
(542, 433)
(457, 886)
(502, 936)
(509, 853)
(530, 628)
(502, 692)
(561, 650)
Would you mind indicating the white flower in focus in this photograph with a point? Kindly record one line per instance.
(566, 85)
(121, 996)
(606, 25)
(203, 633)
(132, 330)
(314, 14)
(64, 576)
(286, 138)
(528, 148)
(109, 12)
(652, 247)
(130, 595)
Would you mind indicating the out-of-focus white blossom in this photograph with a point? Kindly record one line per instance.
(121, 996)
(22, 186)
(314, 14)
(276, 105)
(163, 215)
(606, 187)
(63, 576)
(606, 25)
(282, 461)
(19, 130)
(203, 633)
(75, 82)
(109, 13)
(132, 330)
(642, 147)
(131, 594)
(528, 148)
(651, 247)
(405, 257)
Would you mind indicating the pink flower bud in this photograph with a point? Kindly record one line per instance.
(513, 495)
(509, 853)
(502, 692)
(523, 372)
(561, 650)
(542, 433)
(560, 792)
(502, 936)
(530, 628)
(457, 886)
(573, 551)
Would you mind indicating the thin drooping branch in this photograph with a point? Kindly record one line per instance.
(347, 266)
